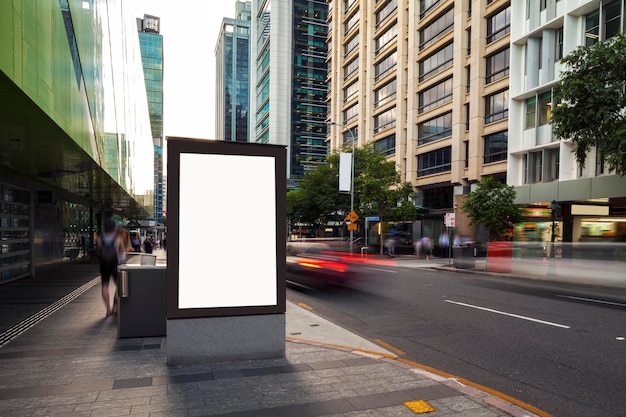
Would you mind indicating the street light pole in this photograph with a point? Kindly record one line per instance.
(352, 177)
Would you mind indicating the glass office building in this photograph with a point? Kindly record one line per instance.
(232, 55)
(289, 104)
(151, 44)
(75, 140)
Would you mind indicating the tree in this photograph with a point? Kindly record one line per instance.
(317, 198)
(492, 205)
(377, 191)
(591, 102)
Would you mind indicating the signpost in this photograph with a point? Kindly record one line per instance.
(449, 220)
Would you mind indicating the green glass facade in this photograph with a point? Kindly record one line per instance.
(74, 128)
(309, 86)
(151, 44)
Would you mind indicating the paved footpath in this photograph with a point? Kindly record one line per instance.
(59, 356)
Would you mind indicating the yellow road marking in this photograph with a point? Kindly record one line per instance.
(388, 346)
(308, 307)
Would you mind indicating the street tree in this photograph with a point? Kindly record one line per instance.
(591, 102)
(377, 191)
(492, 205)
(317, 198)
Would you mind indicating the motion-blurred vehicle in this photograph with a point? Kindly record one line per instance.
(319, 266)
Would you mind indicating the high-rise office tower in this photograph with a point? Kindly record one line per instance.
(427, 83)
(288, 101)
(151, 45)
(542, 167)
(232, 85)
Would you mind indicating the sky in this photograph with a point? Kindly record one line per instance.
(190, 29)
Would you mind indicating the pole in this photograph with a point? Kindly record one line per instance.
(351, 179)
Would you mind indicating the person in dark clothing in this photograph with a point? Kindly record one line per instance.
(108, 251)
(148, 245)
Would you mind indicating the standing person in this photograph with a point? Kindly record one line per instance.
(147, 245)
(108, 251)
(125, 245)
(427, 247)
(136, 243)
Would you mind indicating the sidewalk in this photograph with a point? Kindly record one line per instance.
(59, 356)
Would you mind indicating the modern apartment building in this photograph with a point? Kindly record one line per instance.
(288, 100)
(232, 56)
(151, 46)
(75, 140)
(541, 166)
(428, 83)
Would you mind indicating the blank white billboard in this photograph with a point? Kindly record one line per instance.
(227, 231)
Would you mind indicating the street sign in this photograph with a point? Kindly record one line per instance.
(449, 219)
(352, 216)
(352, 226)
(373, 218)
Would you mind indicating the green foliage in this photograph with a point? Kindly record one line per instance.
(377, 191)
(492, 205)
(591, 102)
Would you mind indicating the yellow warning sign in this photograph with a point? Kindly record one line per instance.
(352, 226)
(352, 216)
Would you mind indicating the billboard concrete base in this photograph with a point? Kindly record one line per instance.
(193, 341)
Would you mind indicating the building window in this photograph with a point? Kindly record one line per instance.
(386, 38)
(497, 106)
(438, 198)
(385, 120)
(496, 147)
(592, 28)
(351, 45)
(467, 116)
(386, 146)
(427, 5)
(531, 112)
(435, 96)
(437, 29)
(434, 129)
(498, 24)
(436, 62)
(553, 159)
(385, 93)
(434, 162)
(497, 66)
(387, 10)
(612, 18)
(348, 138)
(538, 110)
(350, 91)
(350, 113)
(466, 149)
(558, 50)
(545, 107)
(386, 65)
(533, 167)
(351, 68)
(603, 23)
(352, 21)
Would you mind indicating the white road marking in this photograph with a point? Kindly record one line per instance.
(382, 270)
(591, 300)
(509, 314)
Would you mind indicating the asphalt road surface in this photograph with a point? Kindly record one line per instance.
(558, 347)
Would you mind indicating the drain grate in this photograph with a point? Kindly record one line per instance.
(26, 324)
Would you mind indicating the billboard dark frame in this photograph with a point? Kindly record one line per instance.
(198, 155)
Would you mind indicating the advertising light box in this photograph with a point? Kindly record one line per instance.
(225, 228)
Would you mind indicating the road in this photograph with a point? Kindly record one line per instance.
(557, 347)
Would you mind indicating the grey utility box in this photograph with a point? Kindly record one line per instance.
(142, 306)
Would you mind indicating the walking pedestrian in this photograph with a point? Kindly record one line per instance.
(108, 252)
